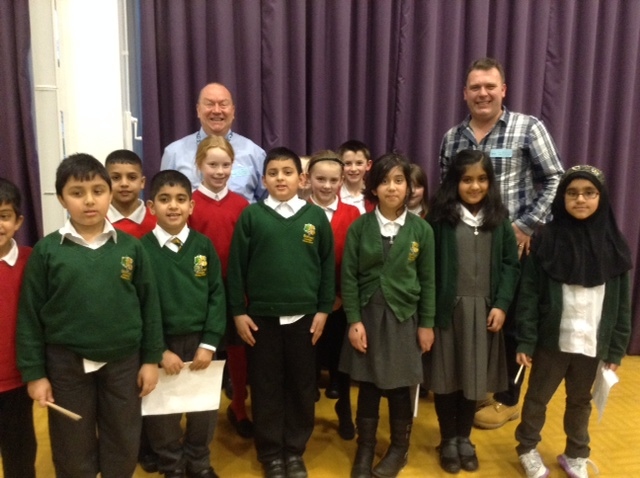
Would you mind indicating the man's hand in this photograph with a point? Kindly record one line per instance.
(523, 240)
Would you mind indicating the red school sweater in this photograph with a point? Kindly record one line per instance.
(216, 220)
(135, 229)
(10, 283)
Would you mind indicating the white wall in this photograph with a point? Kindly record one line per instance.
(77, 86)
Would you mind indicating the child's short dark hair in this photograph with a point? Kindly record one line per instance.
(282, 153)
(169, 177)
(355, 146)
(381, 167)
(82, 167)
(123, 156)
(10, 194)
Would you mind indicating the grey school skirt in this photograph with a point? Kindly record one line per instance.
(393, 357)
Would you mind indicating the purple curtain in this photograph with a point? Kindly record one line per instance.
(19, 161)
(311, 74)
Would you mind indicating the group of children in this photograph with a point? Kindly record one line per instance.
(355, 270)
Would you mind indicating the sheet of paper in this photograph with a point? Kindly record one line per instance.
(605, 379)
(188, 391)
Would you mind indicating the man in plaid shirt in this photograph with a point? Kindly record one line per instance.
(527, 167)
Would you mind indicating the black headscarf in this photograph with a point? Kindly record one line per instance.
(584, 252)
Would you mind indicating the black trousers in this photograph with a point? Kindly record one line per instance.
(177, 450)
(106, 440)
(17, 438)
(282, 377)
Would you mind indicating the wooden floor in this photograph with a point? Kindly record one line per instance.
(615, 441)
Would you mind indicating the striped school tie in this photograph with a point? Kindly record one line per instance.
(177, 242)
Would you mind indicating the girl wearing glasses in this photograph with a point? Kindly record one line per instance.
(573, 312)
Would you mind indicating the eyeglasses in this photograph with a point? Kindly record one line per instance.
(590, 194)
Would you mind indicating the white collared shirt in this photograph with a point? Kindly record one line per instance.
(328, 210)
(210, 194)
(69, 232)
(469, 219)
(390, 228)
(286, 209)
(11, 257)
(136, 216)
(164, 238)
(581, 314)
(348, 198)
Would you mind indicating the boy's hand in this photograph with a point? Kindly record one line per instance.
(523, 359)
(425, 338)
(358, 337)
(201, 359)
(611, 366)
(171, 363)
(317, 326)
(40, 391)
(147, 378)
(495, 320)
(245, 325)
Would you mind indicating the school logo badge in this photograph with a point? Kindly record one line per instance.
(309, 233)
(127, 268)
(414, 251)
(200, 266)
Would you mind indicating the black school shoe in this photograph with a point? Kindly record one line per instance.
(295, 467)
(275, 469)
(467, 454)
(243, 427)
(449, 457)
(208, 473)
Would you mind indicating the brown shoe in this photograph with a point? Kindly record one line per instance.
(495, 415)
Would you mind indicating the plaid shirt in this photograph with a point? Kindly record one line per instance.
(525, 160)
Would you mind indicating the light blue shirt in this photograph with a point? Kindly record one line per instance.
(246, 173)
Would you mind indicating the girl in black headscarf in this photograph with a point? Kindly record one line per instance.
(573, 311)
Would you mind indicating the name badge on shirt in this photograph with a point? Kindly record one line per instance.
(240, 171)
(501, 153)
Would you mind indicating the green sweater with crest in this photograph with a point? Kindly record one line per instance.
(101, 304)
(406, 276)
(281, 266)
(192, 298)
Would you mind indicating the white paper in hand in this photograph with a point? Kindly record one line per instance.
(605, 379)
(188, 391)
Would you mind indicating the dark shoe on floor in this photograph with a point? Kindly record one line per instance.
(467, 454)
(209, 473)
(332, 391)
(295, 467)
(275, 469)
(346, 429)
(243, 427)
(449, 457)
(149, 462)
(174, 474)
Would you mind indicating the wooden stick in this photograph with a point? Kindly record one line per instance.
(518, 374)
(64, 411)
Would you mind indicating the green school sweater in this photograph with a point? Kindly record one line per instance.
(102, 304)
(539, 312)
(406, 276)
(281, 266)
(190, 284)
